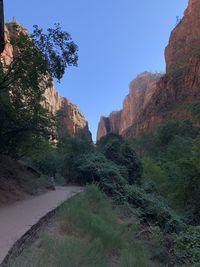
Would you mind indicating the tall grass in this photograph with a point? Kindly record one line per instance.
(93, 233)
(136, 255)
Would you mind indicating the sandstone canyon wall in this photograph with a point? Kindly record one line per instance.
(72, 120)
(141, 90)
(157, 99)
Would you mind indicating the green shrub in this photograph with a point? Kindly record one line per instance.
(187, 246)
(121, 153)
(71, 148)
(152, 171)
(34, 185)
(60, 180)
(153, 208)
(45, 157)
(157, 244)
(171, 160)
(95, 168)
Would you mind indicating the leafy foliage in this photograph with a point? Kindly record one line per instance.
(57, 48)
(153, 208)
(172, 163)
(121, 153)
(22, 116)
(72, 147)
(44, 157)
(36, 61)
(187, 246)
(95, 168)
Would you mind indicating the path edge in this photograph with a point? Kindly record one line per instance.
(31, 235)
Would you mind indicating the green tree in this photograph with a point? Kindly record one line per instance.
(71, 147)
(170, 129)
(36, 61)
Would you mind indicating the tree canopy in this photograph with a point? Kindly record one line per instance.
(37, 59)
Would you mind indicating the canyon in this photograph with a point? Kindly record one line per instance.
(153, 97)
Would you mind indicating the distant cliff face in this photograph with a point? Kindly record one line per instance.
(141, 90)
(71, 119)
(170, 96)
(73, 122)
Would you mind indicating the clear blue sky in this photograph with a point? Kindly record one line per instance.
(117, 39)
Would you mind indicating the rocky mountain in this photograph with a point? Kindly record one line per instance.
(72, 120)
(153, 99)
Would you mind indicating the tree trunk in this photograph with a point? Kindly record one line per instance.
(2, 40)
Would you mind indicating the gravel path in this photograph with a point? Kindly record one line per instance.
(17, 219)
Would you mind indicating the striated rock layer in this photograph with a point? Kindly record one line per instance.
(170, 96)
(72, 121)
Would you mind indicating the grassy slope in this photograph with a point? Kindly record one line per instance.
(89, 232)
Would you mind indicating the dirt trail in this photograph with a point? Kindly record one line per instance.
(17, 219)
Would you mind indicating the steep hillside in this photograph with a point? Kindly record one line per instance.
(19, 180)
(73, 121)
(171, 96)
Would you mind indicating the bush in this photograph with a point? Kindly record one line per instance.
(157, 243)
(71, 148)
(45, 157)
(187, 246)
(121, 153)
(171, 160)
(95, 168)
(153, 208)
(152, 171)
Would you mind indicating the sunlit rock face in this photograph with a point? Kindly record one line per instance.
(6, 56)
(140, 92)
(72, 120)
(169, 96)
(185, 38)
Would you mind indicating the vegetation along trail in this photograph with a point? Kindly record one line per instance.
(18, 218)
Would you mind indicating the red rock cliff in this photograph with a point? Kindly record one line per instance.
(172, 95)
(185, 38)
(140, 92)
(73, 122)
